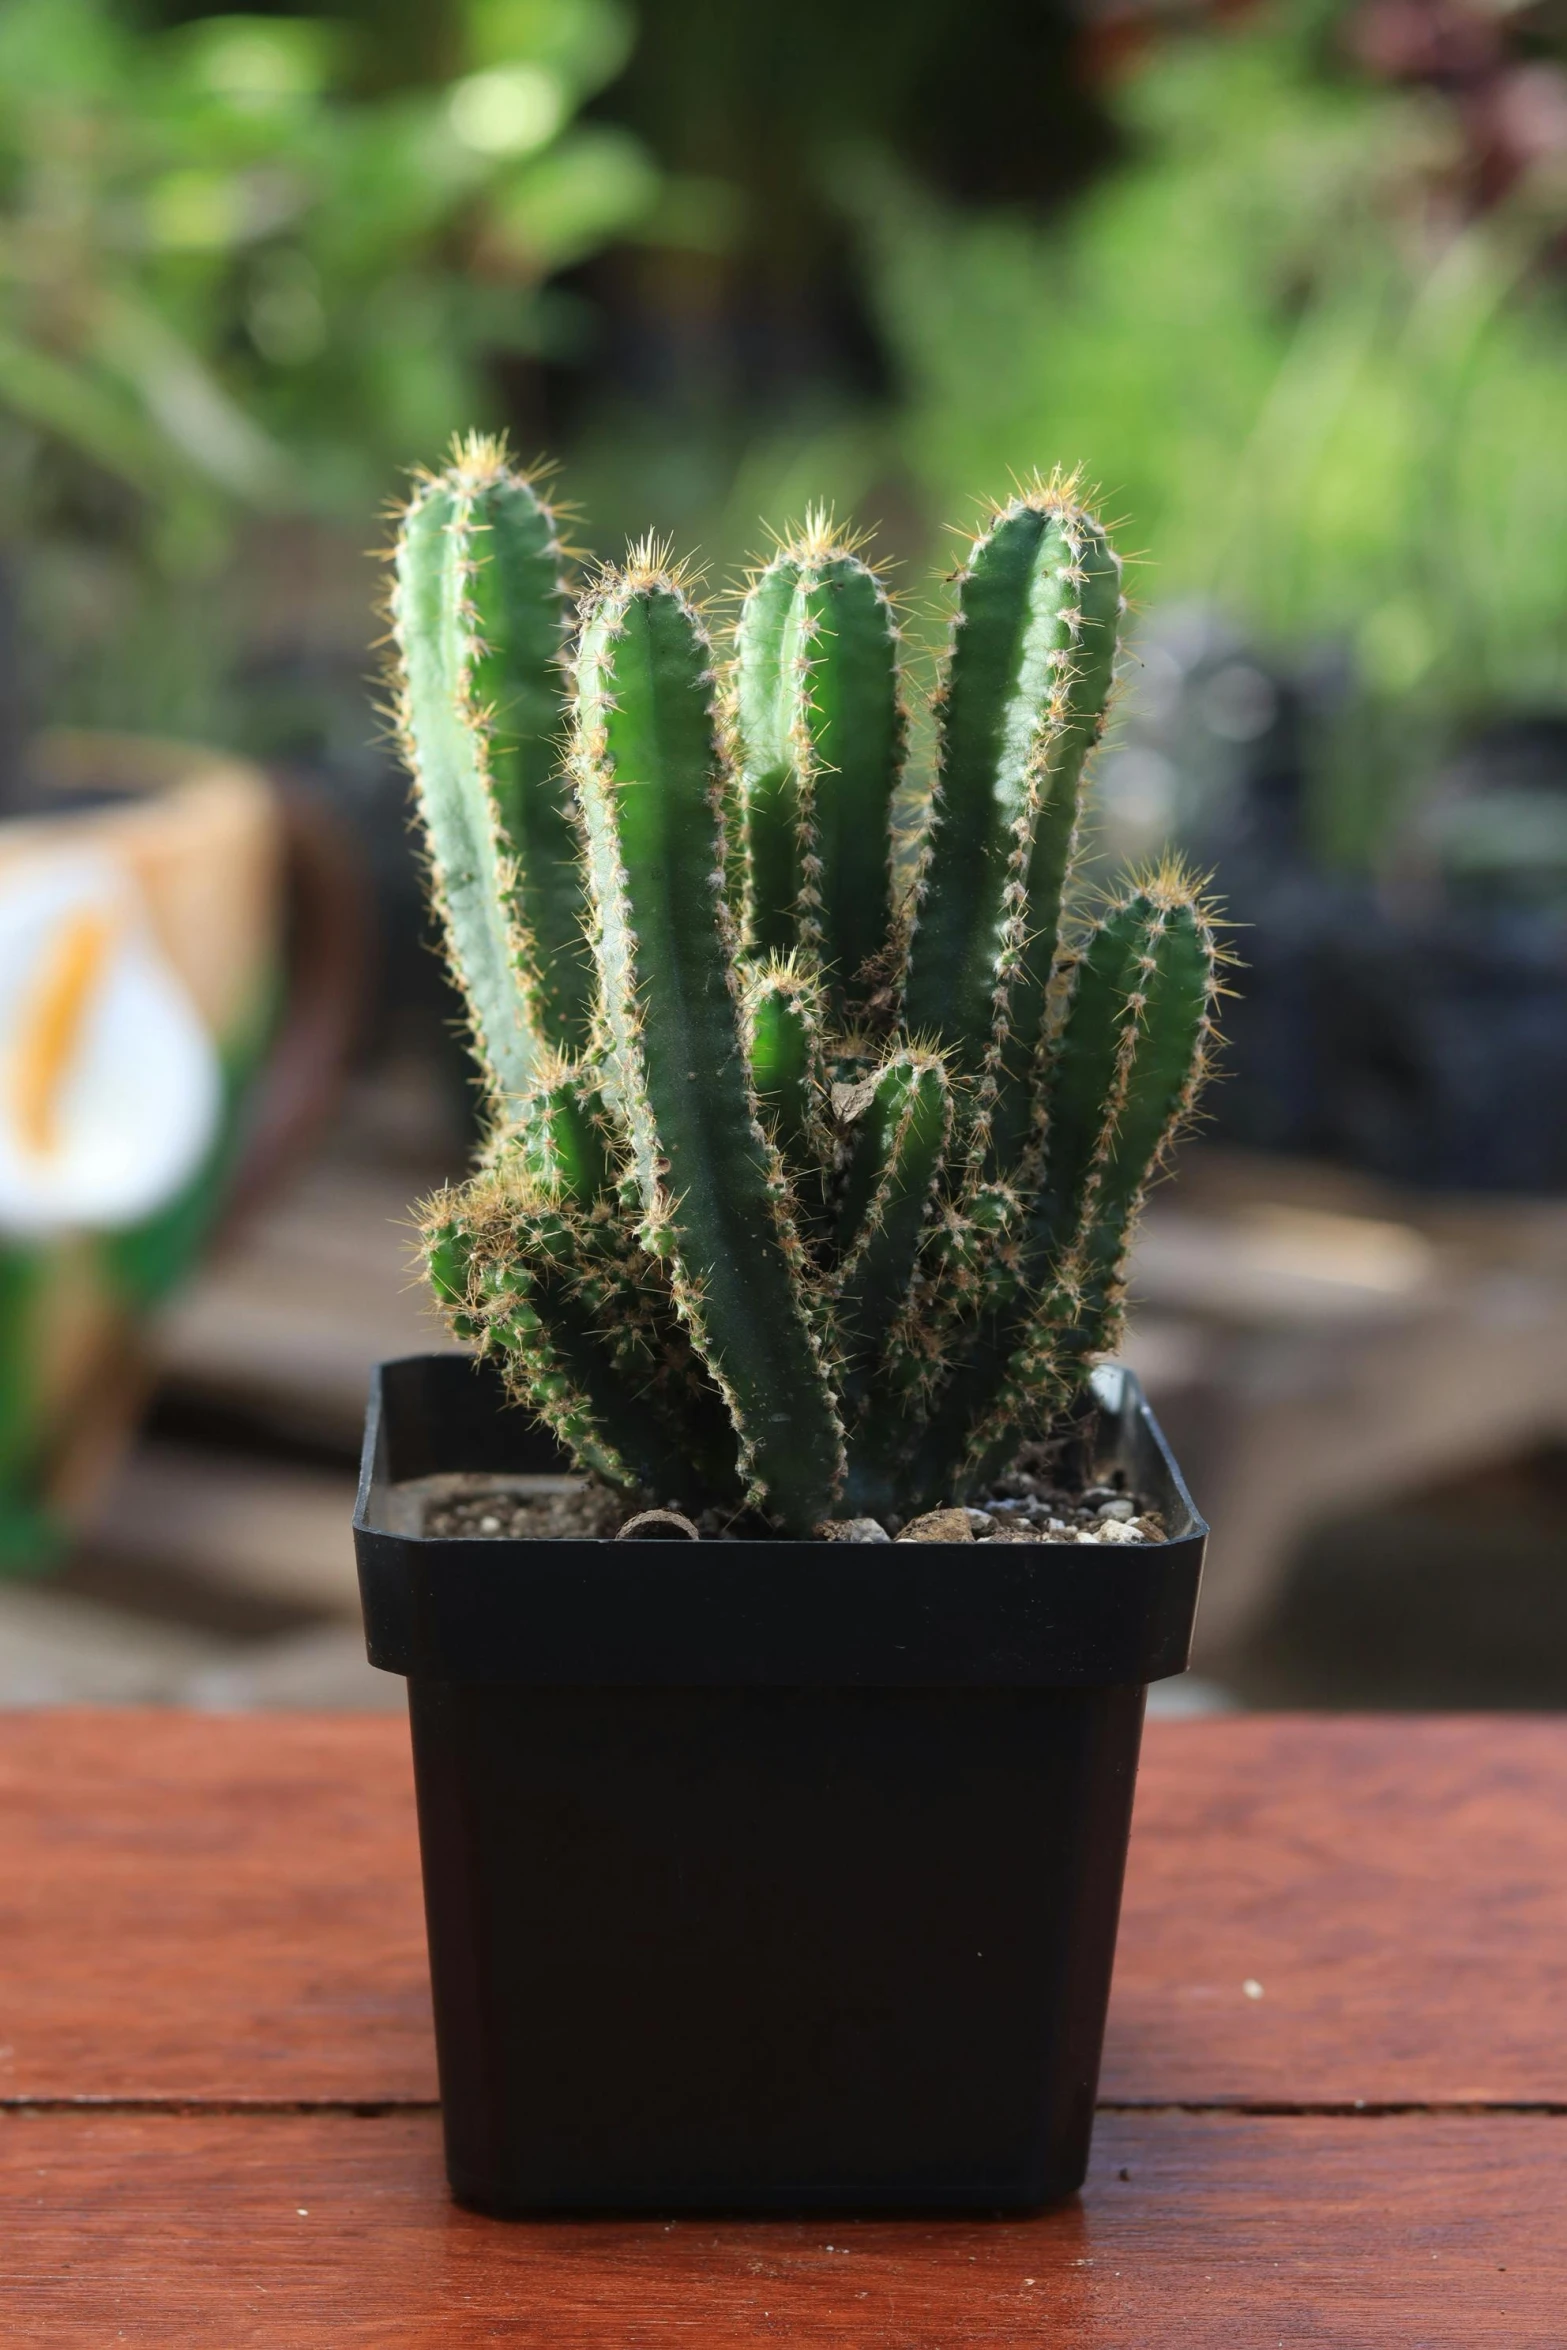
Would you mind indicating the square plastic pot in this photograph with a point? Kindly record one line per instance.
(764, 1875)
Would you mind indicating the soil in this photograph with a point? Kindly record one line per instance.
(583, 1509)
(1031, 1498)
(1028, 1504)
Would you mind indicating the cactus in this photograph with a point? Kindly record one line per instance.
(804, 1193)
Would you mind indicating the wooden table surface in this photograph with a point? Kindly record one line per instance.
(1334, 2096)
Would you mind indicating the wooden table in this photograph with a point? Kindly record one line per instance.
(1335, 2091)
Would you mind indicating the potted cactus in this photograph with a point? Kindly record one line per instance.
(779, 1867)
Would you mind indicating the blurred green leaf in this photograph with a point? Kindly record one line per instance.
(507, 109)
(262, 65)
(592, 185)
(238, 276)
(1307, 397)
(583, 42)
(56, 397)
(187, 402)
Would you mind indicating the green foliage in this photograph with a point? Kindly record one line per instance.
(831, 1209)
(1324, 402)
(238, 279)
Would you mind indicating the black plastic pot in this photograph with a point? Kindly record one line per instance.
(764, 1875)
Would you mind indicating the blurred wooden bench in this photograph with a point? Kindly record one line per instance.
(1315, 1342)
(1334, 2096)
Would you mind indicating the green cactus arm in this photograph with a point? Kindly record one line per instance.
(821, 741)
(447, 1250)
(651, 1388)
(966, 1283)
(1026, 686)
(1133, 1052)
(858, 734)
(781, 1017)
(888, 1215)
(561, 1135)
(586, 1333)
(519, 1309)
(1134, 1048)
(561, 1150)
(469, 863)
(890, 1195)
(971, 1273)
(712, 1187)
(1167, 1037)
(478, 609)
(1071, 731)
(521, 614)
(766, 650)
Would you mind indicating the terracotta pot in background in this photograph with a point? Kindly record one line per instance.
(181, 959)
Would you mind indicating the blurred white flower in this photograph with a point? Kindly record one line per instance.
(110, 1090)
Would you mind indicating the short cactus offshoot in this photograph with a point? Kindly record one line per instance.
(802, 1193)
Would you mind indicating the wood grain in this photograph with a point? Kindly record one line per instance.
(1397, 1887)
(203, 1906)
(1206, 2232)
(228, 1908)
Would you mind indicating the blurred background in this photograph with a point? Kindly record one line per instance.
(1290, 282)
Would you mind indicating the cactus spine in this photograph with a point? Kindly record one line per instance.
(814, 1201)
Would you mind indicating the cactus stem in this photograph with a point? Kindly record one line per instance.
(1022, 704)
(714, 1193)
(819, 728)
(478, 613)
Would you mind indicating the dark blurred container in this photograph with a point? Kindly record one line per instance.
(1412, 1024)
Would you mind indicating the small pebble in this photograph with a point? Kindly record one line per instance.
(1120, 1508)
(853, 1530)
(489, 1525)
(939, 1526)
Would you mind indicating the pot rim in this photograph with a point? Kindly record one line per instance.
(775, 1612)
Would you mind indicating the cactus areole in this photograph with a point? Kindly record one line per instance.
(815, 1147)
